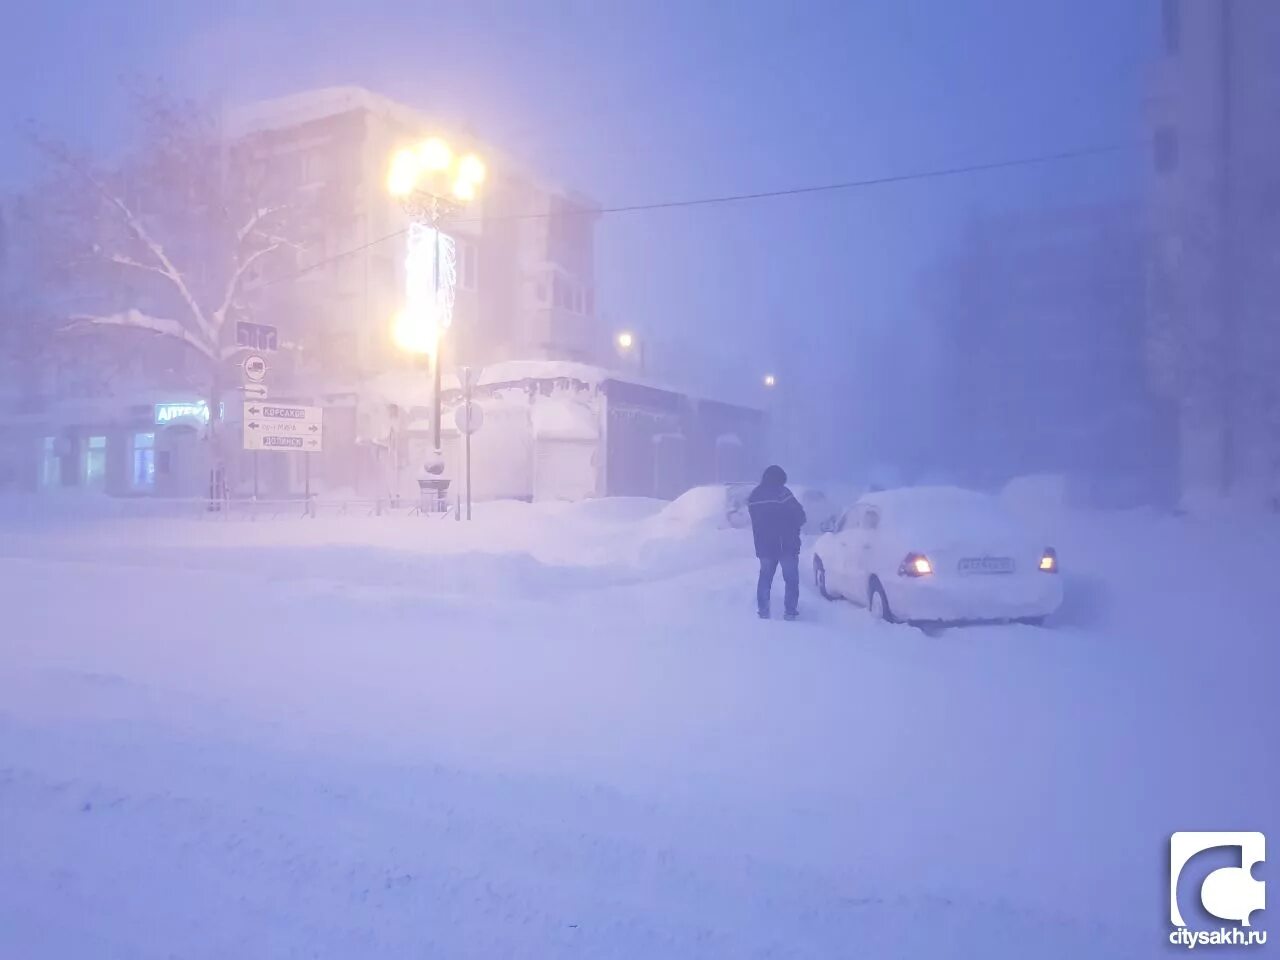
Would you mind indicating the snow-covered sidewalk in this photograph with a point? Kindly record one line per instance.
(562, 732)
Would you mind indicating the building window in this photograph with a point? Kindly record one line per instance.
(570, 231)
(568, 295)
(95, 462)
(144, 461)
(1165, 149)
(50, 464)
(1171, 21)
(468, 256)
(313, 167)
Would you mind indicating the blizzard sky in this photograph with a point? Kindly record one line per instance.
(634, 102)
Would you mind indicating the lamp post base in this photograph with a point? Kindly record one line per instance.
(434, 486)
(434, 495)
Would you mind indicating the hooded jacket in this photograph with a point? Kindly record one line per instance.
(776, 516)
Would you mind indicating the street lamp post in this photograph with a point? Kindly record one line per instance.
(431, 182)
(435, 296)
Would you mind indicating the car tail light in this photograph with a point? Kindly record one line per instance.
(1049, 560)
(915, 565)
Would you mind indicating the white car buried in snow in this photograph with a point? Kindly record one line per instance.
(937, 554)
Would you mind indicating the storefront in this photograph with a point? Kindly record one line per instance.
(552, 431)
(109, 447)
(555, 430)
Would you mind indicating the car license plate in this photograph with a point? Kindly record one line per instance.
(986, 565)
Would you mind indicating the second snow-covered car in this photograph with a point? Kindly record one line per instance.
(821, 512)
(937, 554)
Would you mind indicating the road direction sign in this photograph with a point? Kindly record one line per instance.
(469, 418)
(255, 368)
(283, 426)
(257, 336)
(255, 391)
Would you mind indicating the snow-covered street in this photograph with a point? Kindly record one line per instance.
(560, 731)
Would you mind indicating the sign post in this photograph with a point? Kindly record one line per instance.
(285, 427)
(468, 418)
(468, 381)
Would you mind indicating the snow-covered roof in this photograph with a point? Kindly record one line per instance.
(310, 105)
(281, 113)
(562, 418)
(509, 371)
(413, 388)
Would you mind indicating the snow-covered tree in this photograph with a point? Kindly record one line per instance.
(175, 238)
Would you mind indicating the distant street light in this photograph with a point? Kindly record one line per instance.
(627, 342)
(431, 181)
(772, 406)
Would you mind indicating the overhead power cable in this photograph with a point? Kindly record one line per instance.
(1060, 156)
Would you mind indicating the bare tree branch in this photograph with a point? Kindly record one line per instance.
(137, 320)
(282, 241)
(166, 268)
(158, 252)
(233, 283)
(130, 262)
(197, 193)
(251, 225)
(250, 228)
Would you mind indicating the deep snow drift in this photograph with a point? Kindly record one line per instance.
(560, 731)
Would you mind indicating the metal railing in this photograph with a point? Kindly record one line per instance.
(40, 508)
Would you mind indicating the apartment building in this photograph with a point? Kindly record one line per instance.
(525, 247)
(559, 423)
(1214, 242)
(1039, 354)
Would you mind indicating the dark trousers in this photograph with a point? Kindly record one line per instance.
(790, 564)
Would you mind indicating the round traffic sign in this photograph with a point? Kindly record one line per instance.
(255, 368)
(469, 417)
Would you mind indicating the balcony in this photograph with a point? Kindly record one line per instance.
(561, 334)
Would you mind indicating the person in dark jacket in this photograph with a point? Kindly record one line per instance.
(776, 520)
